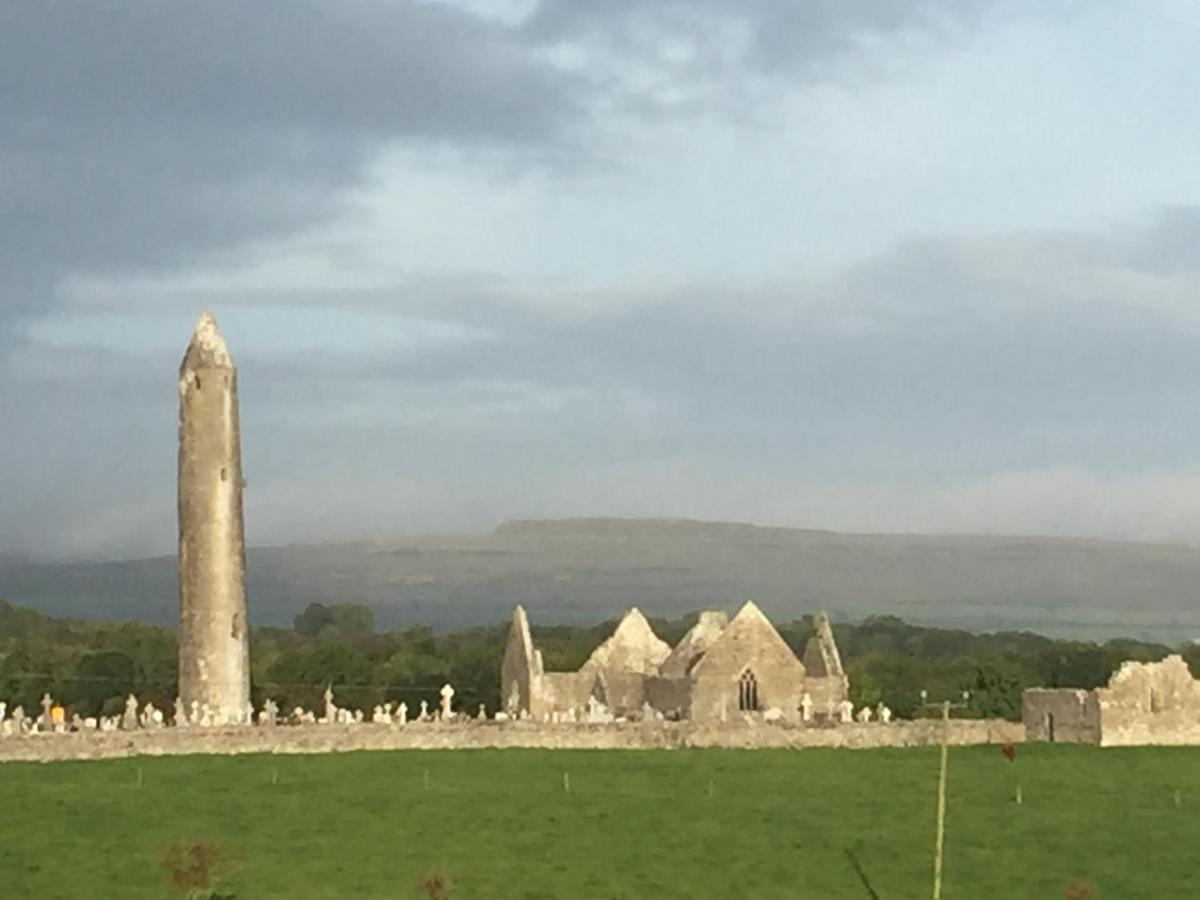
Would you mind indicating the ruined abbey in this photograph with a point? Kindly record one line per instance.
(722, 670)
(1143, 703)
(728, 682)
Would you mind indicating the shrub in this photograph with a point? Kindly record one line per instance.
(199, 870)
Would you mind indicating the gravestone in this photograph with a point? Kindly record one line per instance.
(129, 721)
(806, 707)
(846, 711)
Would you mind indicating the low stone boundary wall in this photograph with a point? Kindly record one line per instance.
(472, 735)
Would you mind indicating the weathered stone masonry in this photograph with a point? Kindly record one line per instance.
(214, 644)
(722, 670)
(1143, 703)
(478, 736)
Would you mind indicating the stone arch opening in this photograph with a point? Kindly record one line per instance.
(748, 692)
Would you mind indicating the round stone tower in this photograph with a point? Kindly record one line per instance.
(214, 645)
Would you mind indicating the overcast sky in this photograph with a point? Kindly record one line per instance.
(895, 265)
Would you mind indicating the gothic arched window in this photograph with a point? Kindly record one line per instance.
(748, 692)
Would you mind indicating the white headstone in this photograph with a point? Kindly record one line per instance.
(846, 711)
(806, 707)
(130, 720)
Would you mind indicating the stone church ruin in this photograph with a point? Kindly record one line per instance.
(722, 670)
(1143, 703)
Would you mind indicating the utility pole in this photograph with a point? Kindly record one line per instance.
(940, 839)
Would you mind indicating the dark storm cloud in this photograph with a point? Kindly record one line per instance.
(972, 353)
(980, 343)
(945, 358)
(139, 134)
(356, 66)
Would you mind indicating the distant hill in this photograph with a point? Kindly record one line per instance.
(586, 570)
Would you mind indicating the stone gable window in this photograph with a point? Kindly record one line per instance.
(748, 692)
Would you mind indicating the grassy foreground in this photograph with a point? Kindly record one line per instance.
(637, 824)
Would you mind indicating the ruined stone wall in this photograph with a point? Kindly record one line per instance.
(751, 644)
(779, 678)
(625, 692)
(1150, 703)
(1143, 704)
(826, 692)
(670, 696)
(563, 691)
(473, 735)
(1120, 728)
(1061, 715)
(715, 693)
(520, 672)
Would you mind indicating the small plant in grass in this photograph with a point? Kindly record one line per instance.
(199, 870)
(436, 885)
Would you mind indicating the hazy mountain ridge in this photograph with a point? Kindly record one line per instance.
(586, 570)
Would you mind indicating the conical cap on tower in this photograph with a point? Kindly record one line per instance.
(207, 349)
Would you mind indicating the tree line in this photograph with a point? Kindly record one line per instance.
(92, 666)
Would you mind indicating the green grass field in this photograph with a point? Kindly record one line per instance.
(644, 824)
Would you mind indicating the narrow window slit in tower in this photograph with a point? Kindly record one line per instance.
(224, 474)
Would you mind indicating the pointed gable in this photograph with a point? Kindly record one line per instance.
(521, 668)
(694, 644)
(519, 649)
(748, 640)
(633, 647)
(821, 657)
